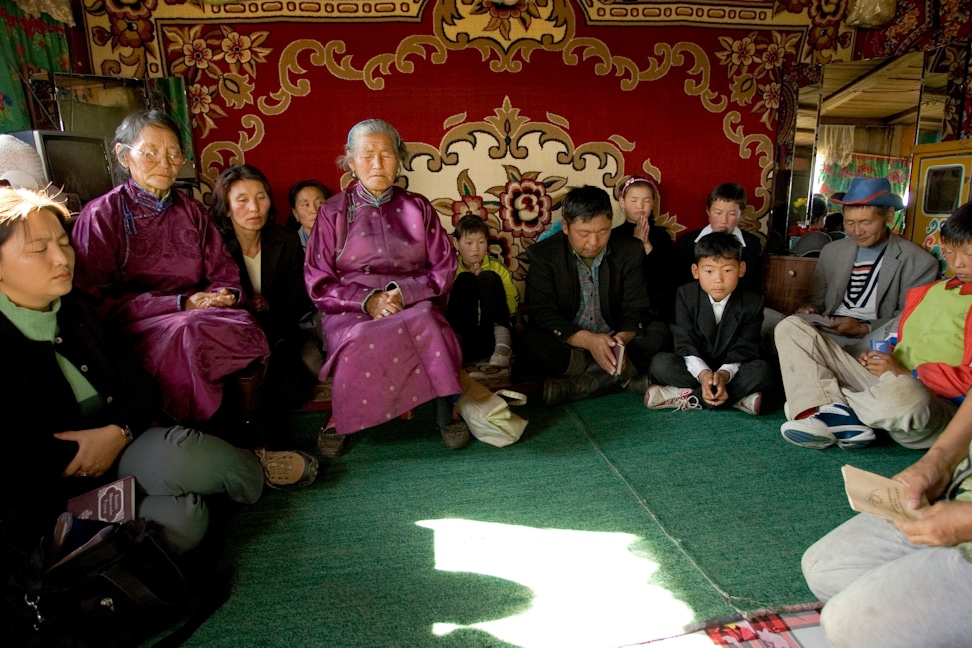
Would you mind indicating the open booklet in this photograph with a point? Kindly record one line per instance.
(817, 320)
(877, 495)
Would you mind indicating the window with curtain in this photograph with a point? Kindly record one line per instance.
(23, 38)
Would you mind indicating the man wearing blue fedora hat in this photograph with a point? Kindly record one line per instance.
(908, 387)
(861, 281)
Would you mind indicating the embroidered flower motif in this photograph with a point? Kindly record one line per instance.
(130, 9)
(743, 89)
(236, 90)
(503, 12)
(197, 54)
(131, 32)
(467, 205)
(236, 48)
(743, 51)
(525, 208)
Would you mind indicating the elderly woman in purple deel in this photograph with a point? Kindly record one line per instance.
(156, 264)
(377, 260)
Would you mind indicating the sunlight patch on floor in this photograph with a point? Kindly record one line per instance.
(588, 588)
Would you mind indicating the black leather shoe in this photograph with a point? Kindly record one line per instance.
(638, 385)
(565, 390)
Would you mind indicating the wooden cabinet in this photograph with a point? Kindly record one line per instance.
(787, 281)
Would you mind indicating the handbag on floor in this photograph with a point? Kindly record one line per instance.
(486, 413)
(108, 592)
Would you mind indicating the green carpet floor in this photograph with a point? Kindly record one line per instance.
(606, 525)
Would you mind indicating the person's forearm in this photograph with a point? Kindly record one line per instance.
(953, 444)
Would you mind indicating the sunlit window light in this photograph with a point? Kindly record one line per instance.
(588, 588)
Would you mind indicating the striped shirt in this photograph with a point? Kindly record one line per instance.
(860, 300)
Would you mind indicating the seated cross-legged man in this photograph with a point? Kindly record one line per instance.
(717, 324)
(861, 280)
(586, 296)
(911, 391)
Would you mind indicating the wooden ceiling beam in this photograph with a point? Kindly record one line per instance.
(878, 74)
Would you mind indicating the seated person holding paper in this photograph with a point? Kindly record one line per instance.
(586, 296)
(78, 409)
(717, 337)
(861, 280)
(906, 583)
(912, 392)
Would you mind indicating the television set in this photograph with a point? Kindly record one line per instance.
(78, 164)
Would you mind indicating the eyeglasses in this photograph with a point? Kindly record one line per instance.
(155, 157)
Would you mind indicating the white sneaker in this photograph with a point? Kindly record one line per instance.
(501, 357)
(750, 404)
(830, 424)
(665, 397)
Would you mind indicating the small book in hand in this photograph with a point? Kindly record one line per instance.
(877, 495)
(618, 358)
(114, 502)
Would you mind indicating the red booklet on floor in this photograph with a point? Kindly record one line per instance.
(114, 502)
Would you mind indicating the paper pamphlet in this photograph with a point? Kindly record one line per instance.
(877, 495)
(817, 320)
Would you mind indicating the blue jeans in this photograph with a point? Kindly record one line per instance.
(174, 468)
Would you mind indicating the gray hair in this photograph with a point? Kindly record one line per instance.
(132, 126)
(371, 127)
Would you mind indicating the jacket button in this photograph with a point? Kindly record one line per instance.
(109, 400)
(84, 368)
(58, 340)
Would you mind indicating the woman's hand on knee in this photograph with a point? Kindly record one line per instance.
(97, 450)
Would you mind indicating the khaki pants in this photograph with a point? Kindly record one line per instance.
(816, 371)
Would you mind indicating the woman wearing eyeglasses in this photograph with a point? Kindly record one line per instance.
(159, 270)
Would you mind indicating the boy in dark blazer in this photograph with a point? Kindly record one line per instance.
(717, 337)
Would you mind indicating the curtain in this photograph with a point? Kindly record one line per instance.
(23, 39)
(836, 177)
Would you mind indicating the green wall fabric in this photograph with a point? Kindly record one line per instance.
(23, 38)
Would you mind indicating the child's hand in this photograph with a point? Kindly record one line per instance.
(878, 362)
(714, 387)
(641, 232)
(476, 268)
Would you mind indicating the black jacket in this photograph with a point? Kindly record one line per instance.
(282, 276)
(657, 269)
(735, 339)
(553, 293)
(37, 401)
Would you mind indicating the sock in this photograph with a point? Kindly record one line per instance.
(503, 341)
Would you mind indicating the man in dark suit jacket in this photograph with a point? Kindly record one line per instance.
(717, 337)
(585, 295)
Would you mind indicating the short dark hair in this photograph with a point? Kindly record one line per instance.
(729, 191)
(471, 224)
(303, 184)
(718, 245)
(957, 229)
(586, 203)
(220, 211)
